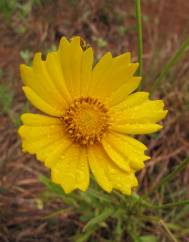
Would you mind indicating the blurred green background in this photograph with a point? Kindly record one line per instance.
(34, 209)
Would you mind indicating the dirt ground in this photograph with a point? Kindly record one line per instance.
(106, 25)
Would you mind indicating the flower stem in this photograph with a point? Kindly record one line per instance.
(139, 32)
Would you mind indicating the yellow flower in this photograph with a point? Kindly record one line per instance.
(92, 115)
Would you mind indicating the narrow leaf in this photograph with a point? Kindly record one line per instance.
(99, 218)
(58, 191)
(176, 170)
(174, 204)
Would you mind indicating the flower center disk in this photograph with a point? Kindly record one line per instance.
(86, 120)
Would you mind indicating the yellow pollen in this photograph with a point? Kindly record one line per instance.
(86, 120)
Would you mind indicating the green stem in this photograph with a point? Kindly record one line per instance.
(139, 31)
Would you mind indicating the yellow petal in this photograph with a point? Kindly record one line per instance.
(64, 54)
(122, 59)
(35, 84)
(39, 103)
(30, 132)
(107, 174)
(75, 65)
(98, 71)
(31, 119)
(83, 175)
(38, 79)
(57, 151)
(35, 144)
(98, 167)
(126, 148)
(147, 112)
(86, 70)
(132, 100)
(38, 134)
(137, 114)
(121, 93)
(51, 154)
(70, 55)
(115, 156)
(54, 69)
(44, 136)
(39, 131)
(115, 75)
(72, 171)
(146, 128)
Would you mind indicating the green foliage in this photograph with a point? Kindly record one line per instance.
(6, 98)
(1, 73)
(173, 173)
(148, 238)
(125, 214)
(101, 43)
(26, 55)
(7, 7)
(145, 238)
(122, 30)
(22, 9)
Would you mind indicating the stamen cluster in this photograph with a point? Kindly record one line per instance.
(86, 120)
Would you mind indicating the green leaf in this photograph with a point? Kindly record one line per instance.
(58, 191)
(6, 98)
(145, 238)
(174, 204)
(83, 237)
(51, 186)
(148, 238)
(26, 55)
(99, 218)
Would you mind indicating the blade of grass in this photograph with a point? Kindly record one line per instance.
(65, 211)
(171, 236)
(176, 170)
(172, 174)
(163, 206)
(173, 60)
(95, 193)
(139, 32)
(99, 218)
(174, 204)
(84, 237)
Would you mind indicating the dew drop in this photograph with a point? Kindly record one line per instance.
(70, 176)
(62, 157)
(80, 175)
(112, 171)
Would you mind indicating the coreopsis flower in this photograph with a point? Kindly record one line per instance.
(91, 115)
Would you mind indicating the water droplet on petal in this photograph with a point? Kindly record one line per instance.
(62, 157)
(79, 176)
(70, 176)
(112, 171)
